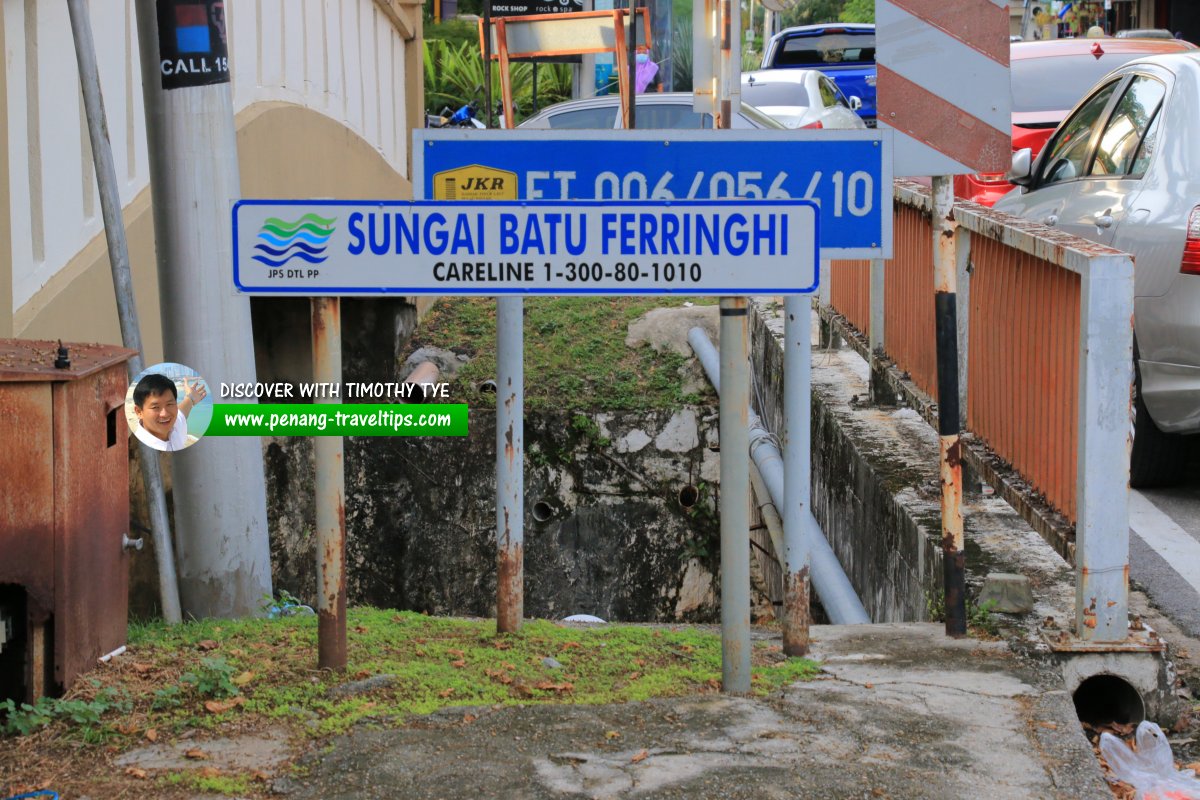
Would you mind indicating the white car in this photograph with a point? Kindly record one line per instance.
(652, 111)
(1123, 170)
(801, 98)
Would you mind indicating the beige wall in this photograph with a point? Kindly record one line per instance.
(78, 304)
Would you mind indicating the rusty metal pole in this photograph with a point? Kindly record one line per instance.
(331, 493)
(118, 257)
(797, 443)
(876, 332)
(949, 427)
(510, 464)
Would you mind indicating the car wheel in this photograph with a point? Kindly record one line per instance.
(1158, 459)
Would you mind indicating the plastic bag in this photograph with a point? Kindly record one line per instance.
(646, 70)
(1150, 770)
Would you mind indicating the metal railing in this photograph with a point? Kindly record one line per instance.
(1046, 365)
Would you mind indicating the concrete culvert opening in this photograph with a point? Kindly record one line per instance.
(542, 511)
(688, 496)
(1104, 699)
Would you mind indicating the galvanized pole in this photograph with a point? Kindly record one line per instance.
(949, 428)
(329, 469)
(734, 418)
(1102, 452)
(219, 489)
(510, 464)
(631, 50)
(797, 497)
(487, 59)
(118, 258)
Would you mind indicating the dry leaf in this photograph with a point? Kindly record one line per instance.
(612, 735)
(641, 662)
(868, 686)
(687, 648)
(208, 772)
(196, 754)
(362, 674)
(127, 730)
(142, 669)
(500, 644)
(458, 664)
(244, 678)
(570, 645)
(361, 629)
(207, 644)
(221, 706)
(523, 690)
(136, 772)
(1194, 766)
(259, 775)
(455, 653)
(420, 653)
(633, 676)
(469, 718)
(547, 686)
(508, 666)
(446, 693)
(642, 755)
(1052, 726)
(713, 683)
(151, 734)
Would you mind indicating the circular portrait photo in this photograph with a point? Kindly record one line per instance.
(168, 407)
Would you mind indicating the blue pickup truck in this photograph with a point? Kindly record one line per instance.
(843, 51)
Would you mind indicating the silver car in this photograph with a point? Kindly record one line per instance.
(1123, 169)
(652, 111)
(801, 98)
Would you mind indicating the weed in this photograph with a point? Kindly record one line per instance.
(213, 678)
(981, 617)
(23, 719)
(202, 781)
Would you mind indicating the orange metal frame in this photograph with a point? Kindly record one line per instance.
(620, 49)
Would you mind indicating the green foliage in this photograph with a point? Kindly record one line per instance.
(980, 617)
(681, 51)
(455, 32)
(226, 783)
(454, 75)
(575, 346)
(23, 719)
(812, 12)
(858, 11)
(212, 678)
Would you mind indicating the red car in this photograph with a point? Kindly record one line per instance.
(1048, 78)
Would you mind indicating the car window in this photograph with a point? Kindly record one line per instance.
(775, 94)
(1067, 152)
(828, 93)
(1128, 124)
(832, 48)
(1145, 151)
(581, 118)
(672, 116)
(1057, 83)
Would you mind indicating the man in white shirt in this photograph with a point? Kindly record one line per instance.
(162, 419)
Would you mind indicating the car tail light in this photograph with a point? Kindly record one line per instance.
(813, 125)
(989, 177)
(1190, 265)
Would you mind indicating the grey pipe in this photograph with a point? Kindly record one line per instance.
(829, 579)
(118, 257)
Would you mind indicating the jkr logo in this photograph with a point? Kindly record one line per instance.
(482, 184)
(475, 183)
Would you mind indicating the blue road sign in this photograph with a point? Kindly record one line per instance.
(847, 174)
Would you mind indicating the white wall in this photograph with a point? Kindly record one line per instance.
(342, 58)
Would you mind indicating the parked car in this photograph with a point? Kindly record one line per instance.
(1123, 170)
(801, 98)
(844, 52)
(1048, 78)
(1145, 33)
(669, 110)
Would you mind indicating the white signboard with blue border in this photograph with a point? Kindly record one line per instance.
(338, 248)
(847, 174)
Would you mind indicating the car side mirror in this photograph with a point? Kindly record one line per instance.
(855, 102)
(1021, 171)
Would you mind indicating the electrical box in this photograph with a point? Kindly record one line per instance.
(64, 512)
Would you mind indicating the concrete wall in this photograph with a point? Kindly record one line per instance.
(869, 485)
(613, 540)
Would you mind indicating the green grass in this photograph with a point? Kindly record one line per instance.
(220, 673)
(575, 353)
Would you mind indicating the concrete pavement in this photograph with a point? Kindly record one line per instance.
(900, 711)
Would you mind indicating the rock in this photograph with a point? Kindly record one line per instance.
(551, 663)
(361, 687)
(1010, 593)
(667, 328)
(680, 435)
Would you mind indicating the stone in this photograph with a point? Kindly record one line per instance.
(551, 663)
(1010, 593)
(362, 687)
(633, 441)
(681, 433)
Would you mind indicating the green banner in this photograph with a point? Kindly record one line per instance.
(330, 419)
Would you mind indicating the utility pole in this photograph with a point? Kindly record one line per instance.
(219, 489)
(118, 257)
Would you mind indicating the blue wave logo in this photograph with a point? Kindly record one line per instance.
(306, 239)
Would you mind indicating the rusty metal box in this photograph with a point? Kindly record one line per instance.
(64, 512)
